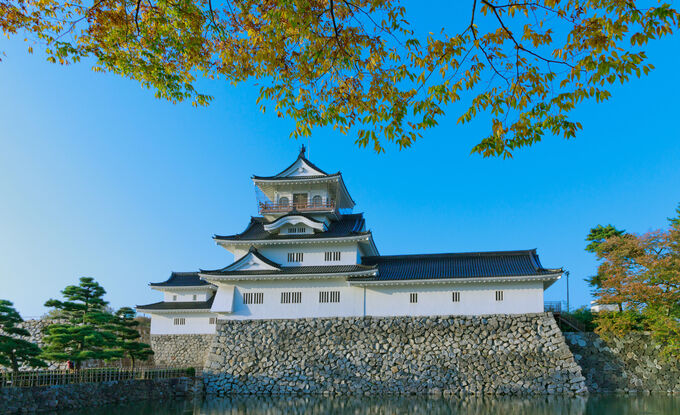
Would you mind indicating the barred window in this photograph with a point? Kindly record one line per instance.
(297, 230)
(194, 297)
(455, 296)
(294, 297)
(413, 297)
(213, 320)
(329, 296)
(295, 256)
(499, 295)
(179, 321)
(253, 298)
(331, 256)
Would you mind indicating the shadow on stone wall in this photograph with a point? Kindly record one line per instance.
(632, 363)
(85, 395)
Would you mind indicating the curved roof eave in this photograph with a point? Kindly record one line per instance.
(252, 251)
(301, 156)
(226, 240)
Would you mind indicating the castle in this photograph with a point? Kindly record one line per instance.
(308, 255)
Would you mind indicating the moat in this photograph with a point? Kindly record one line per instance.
(272, 405)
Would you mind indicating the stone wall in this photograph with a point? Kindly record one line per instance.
(628, 364)
(181, 350)
(61, 397)
(36, 327)
(499, 354)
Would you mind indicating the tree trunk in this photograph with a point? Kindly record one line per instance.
(15, 363)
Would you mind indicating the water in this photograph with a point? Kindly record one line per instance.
(384, 405)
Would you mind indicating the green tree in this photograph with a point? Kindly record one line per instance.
(86, 332)
(358, 65)
(597, 236)
(126, 329)
(16, 352)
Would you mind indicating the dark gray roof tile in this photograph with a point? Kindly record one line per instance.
(181, 279)
(315, 269)
(178, 305)
(459, 265)
(347, 225)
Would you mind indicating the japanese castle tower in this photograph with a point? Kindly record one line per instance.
(308, 255)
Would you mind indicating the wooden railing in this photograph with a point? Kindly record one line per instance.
(29, 379)
(565, 320)
(270, 207)
(552, 306)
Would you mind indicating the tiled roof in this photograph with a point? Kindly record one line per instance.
(316, 176)
(347, 225)
(462, 265)
(181, 279)
(178, 305)
(302, 157)
(315, 269)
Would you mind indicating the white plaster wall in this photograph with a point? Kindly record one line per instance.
(196, 323)
(313, 254)
(187, 295)
(351, 300)
(475, 299)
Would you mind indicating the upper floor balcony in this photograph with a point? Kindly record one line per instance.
(316, 204)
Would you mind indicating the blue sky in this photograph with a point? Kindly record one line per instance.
(98, 178)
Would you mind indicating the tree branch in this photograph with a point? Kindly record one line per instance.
(517, 44)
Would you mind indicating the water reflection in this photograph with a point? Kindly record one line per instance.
(384, 405)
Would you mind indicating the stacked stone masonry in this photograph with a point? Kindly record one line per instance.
(181, 350)
(632, 363)
(83, 395)
(36, 328)
(499, 354)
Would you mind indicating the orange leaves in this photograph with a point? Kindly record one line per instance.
(359, 66)
(641, 273)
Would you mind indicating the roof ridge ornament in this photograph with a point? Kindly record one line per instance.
(303, 150)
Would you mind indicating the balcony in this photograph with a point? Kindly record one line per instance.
(311, 206)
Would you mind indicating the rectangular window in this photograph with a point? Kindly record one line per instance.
(174, 298)
(297, 230)
(213, 320)
(455, 296)
(499, 295)
(294, 297)
(329, 296)
(253, 298)
(194, 297)
(413, 297)
(331, 256)
(179, 321)
(295, 256)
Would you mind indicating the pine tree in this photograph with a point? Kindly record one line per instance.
(16, 352)
(87, 331)
(125, 327)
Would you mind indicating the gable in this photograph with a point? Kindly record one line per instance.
(301, 168)
(252, 261)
